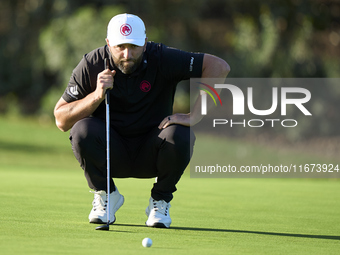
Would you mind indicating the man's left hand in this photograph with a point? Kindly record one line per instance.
(178, 118)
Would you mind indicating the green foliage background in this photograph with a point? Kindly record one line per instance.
(43, 40)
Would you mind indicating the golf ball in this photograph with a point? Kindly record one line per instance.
(147, 242)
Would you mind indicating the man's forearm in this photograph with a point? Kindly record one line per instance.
(195, 114)
(213, 67)
(67, 114)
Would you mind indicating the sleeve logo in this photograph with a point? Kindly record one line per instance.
(74, 90)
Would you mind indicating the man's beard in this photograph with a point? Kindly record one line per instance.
(127, 66)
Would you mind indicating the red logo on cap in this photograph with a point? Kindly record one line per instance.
(125, 29)
(145, 86)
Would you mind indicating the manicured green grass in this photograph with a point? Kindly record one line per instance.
(45, 203)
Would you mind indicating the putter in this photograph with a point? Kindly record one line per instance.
(107, 102)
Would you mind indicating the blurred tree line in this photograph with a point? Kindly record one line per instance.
(43, 40)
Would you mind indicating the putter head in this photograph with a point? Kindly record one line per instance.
(103, 227)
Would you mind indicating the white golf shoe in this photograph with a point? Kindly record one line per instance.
(158, 214)
(98, 213)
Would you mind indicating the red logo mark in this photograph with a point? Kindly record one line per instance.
(125, 29)
(145, 86)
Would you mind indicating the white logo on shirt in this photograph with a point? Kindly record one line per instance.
(74, 90)
(191, 64)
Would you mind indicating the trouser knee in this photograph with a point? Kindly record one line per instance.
(179, 141)
(87, 132)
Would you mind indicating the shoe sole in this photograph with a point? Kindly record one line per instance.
(158, 225)
(99, 221)
(115, 209)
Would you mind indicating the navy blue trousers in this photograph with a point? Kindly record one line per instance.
(160, 153)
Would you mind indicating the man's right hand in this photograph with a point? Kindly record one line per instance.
(104, 82)
(67, 114)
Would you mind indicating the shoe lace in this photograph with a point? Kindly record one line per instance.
(99, 201)
(161, 206)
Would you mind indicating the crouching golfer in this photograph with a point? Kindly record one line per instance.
(147, 140)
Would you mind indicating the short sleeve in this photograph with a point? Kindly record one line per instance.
(79, 85)
(181, 65)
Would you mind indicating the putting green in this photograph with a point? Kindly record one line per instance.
(45, 204)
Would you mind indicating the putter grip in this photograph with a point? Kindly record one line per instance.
(107, 93)
(106, 64)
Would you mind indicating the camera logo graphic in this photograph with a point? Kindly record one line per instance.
(204, 92)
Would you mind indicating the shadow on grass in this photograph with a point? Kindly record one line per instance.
(327, 237)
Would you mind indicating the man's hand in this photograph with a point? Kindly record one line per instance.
(178, 118)
(104, 82)
(67, 114)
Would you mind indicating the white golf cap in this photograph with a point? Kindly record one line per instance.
(126, 28)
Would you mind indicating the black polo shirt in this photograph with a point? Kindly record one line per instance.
(141, 100)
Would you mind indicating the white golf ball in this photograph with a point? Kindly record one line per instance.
(147, 242)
